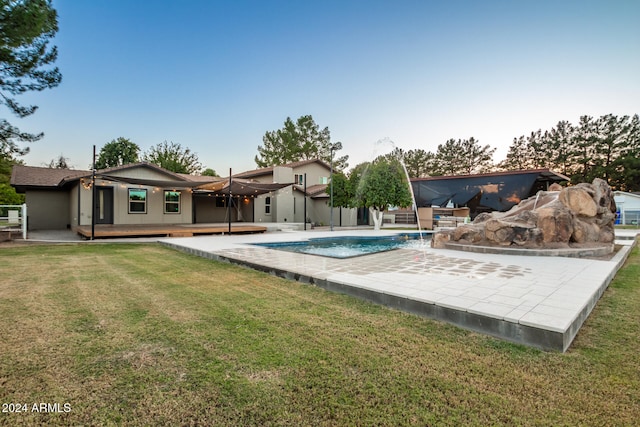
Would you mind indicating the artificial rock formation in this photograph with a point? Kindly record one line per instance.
(578, 216)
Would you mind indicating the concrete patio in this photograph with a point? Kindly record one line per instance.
(540, 301)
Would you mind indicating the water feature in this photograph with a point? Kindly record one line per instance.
(406, 173)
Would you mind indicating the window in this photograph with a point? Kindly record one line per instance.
(299, 179)
(172, 202)
(324, 180)
(137, 200)
(267, 205)
(221, 202)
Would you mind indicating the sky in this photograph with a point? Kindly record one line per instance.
(215, 76)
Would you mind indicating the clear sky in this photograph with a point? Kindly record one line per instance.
(214, 76)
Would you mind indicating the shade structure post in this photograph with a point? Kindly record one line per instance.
(229, 202)
(93, 195)
(305, 201)
(331, 191)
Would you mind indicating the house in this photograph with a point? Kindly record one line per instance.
(145, 194)
(497, 191)
(308, 178)
(139, 193)
(627, 208)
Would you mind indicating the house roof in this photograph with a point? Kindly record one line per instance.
(314, 191)
(545, 173)
(635, 195)
(269, 170)
(23, 177)
(30, 176)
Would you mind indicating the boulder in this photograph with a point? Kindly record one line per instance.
(440, 239)
(556, 223)
(585, 231)
(583, 214)
(468, 233)
(578, 200)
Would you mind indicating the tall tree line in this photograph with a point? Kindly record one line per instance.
(607, 147)
(454, 157)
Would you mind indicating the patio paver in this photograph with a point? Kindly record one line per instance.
(533, 300)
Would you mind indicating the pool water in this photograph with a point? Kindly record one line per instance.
(350, 246)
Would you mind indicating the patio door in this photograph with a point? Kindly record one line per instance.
(104, 205)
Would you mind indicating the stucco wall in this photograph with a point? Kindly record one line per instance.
(315, 172)
(154, 210)
(207, 211)
(282, 175)
(47, 210)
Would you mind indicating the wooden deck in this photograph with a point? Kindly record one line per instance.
(168, 230)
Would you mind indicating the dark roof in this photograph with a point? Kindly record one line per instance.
(269, 170)
(30, 176)
(546, 173)
(23, 177)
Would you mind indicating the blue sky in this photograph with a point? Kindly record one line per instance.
(214, 76)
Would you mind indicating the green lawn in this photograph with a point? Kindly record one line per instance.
(143, 335)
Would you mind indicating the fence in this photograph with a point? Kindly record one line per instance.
(14, 217)
(629, 217)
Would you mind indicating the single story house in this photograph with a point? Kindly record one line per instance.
(139, 193)
(627, 208)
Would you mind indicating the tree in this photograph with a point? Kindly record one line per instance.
(625, 175)
(209, 172)
(173, 157)
(302, 140)
(379, 185)
(8, 195)
(419, 163)
(343, 195)
(60, 163)
(585, 154)
(118, 152)
(25, 30)
(463, 157)
(519, 156)
(562, 147)
(610, 143)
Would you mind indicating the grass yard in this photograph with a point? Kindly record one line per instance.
(138, 334)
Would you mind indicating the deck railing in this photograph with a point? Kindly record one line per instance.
(14, 216)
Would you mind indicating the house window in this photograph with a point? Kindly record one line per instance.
(299, 179)
(137, 200)
(221, 202)
(171, 202)
(267, 205)
(324, 180)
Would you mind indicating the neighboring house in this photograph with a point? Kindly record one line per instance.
(627, 207)
(498, 191)
(140, 193)
(288, 203)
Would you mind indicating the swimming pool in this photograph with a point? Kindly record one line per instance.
(350, 246)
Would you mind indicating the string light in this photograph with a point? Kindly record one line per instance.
(85, 184)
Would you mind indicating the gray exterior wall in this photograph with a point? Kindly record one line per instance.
(207, 212)
(316, 173)
(155, 205)
(47, 209)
